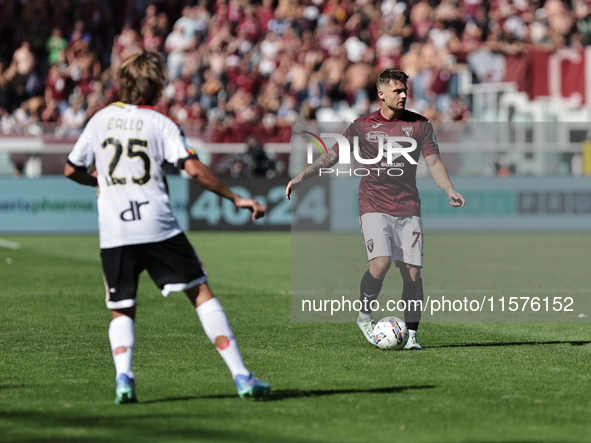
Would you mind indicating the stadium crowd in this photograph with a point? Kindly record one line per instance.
(240, 68)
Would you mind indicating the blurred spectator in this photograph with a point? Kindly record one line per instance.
(187, 23)
(20, 78)
(56, 97)
(84, 68)
(177, 45)
(162, 27)
(19, 162)
(151, 18)
(256, 161)
(74, 117)
(125, 44)
(360, 78)
(56, 47)
(265, 14)
(389, 51)
(332, 72)
(26, 120)
(421, 18)
(150, 40)
(79, 34)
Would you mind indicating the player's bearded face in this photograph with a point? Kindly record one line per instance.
(394, 95)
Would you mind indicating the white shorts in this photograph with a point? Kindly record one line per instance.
(400, 238)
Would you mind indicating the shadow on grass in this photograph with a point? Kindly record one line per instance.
(58, 427)
(14, 386)
(520, 343)
(284, 394)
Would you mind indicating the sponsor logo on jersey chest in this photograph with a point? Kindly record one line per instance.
(374, 136)
(133, 212)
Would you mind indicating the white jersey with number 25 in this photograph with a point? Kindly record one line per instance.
(129, 144)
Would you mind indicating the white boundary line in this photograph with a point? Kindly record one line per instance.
(9, 244)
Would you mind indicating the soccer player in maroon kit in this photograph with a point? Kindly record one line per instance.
(389, 204)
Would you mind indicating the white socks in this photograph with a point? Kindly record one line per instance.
(121, 334)
(215, 324)
(362, 317)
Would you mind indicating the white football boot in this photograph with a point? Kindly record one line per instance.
(367, 327)
(412, 344)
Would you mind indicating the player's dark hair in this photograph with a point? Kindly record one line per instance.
(390, 75)
(142, 78)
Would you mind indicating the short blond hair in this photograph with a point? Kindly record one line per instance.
(142, 78)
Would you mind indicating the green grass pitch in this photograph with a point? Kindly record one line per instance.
(484, 382)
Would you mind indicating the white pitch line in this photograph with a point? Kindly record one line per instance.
(9, 244)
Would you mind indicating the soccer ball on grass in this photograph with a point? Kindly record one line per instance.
(390, 333)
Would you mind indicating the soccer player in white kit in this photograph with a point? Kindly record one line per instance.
(389, 205)
(128, 142)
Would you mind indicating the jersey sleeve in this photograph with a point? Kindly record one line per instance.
(429, 144)
(82, 154)
(348, 135)
(176, 147)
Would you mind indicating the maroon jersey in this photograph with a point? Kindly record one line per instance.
(395, 194)
(57, 87)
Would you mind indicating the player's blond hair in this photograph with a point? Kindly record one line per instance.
(142, 78)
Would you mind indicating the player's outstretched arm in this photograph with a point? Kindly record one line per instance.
(205, 178)
(441, 177)
(80, 176)
(324, 161)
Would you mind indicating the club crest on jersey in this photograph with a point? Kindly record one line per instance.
(370, 245)
(407, 131)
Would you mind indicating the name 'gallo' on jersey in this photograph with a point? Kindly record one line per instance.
(128, 145)
(393, 193)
